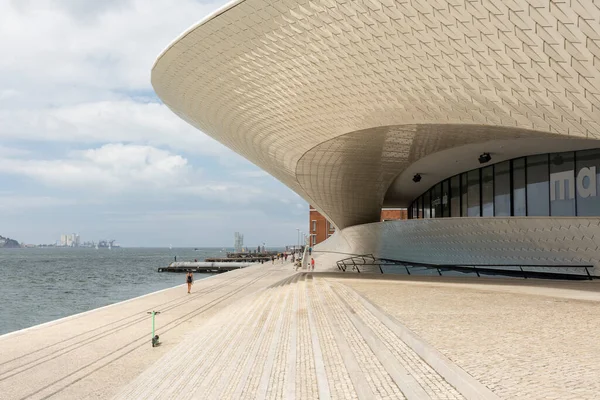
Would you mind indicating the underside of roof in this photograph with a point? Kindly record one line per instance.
(342, 100)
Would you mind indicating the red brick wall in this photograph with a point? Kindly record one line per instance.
(387, 215)
(319, 227)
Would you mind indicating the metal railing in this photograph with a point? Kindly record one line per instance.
(358, 262)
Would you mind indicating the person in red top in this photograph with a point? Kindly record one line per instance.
(312, 264)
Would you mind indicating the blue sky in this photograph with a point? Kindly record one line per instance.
(86, 146)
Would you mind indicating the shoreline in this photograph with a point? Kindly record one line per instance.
(83, 313)
(98, 352)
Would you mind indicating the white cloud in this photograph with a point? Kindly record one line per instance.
(114, 167)
(11, 202)
(108, 121)
(6, 151)
(76, 75)
(101, 44)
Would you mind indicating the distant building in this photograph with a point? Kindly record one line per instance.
(69, 240)
(238, 242)
(320, 228)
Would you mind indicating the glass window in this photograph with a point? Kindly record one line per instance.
(420, 207)
(463, 195)
(446, 198)
(455, 196)
(436, 201)
(562, 184)
(474, 209)
(502, 189)
(538, 188)
(518, 171)
(487, 191)
(587, 180)
(427, 204)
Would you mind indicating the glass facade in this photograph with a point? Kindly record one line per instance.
(555, 184)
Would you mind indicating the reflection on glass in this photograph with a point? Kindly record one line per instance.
(427, 204)
(455, 196)
(557, 184)
(463, 194)
(474, 209)
(436, 201)
(519, 204)
(587, 164)
(502, 189)
(487, 191)
(562, 184)
(538, 188)
(446, 198)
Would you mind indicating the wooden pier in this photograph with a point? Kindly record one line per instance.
(249, 259)
(204, 267)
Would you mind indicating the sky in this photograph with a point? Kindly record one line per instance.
(87, 147)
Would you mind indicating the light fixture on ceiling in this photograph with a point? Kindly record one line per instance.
(417, 178)
(485, 157)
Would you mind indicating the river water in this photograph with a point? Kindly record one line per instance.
(42, 284)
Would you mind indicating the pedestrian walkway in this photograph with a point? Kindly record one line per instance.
(271, 332)
(305, 337)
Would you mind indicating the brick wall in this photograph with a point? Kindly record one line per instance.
(320, 229)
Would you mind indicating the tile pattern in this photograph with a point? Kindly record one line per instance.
(229, 358)
(520, 345)
(467, 241)
(274, 79)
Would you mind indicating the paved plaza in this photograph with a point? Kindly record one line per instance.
(270, 332)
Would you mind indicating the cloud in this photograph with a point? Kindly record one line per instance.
(10, 202)
(111, 167)
(83, 133)
(101, 44)
(108, 121)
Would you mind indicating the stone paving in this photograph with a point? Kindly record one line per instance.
(306, 337)
(518, 344)
(270, 332)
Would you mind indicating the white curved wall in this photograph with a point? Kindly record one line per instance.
(496, 241)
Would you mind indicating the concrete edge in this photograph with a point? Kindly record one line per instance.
(466, 384)
(68, 317)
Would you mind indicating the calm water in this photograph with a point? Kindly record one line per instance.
(40, 285)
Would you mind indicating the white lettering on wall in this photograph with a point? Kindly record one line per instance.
(560, 178)
(565, 181)
(589, 191)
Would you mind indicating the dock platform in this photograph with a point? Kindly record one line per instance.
(204, 267)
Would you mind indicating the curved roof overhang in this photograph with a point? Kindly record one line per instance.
(342, 101)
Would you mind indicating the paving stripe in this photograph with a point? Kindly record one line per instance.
(407, 383)
(321, 375)
(290, 371)
(229, 352)
(426, 377)
(306, 376)
(277, 380)
(248, 385)
(469, 387)
(267, 370)
(355, 354)
(340, 384)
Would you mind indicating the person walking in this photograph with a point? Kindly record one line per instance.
(310, 251)
(272, 260)
(190, 280)
(312, 264)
